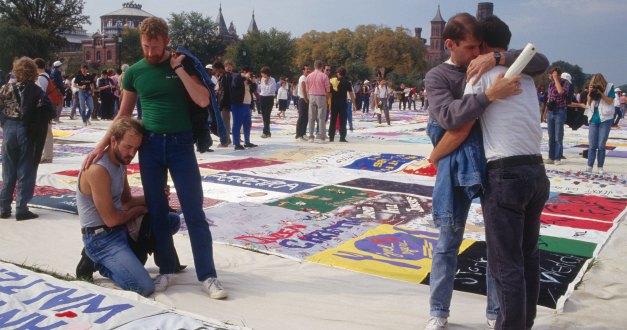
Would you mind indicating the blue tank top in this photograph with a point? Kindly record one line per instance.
(87, 213)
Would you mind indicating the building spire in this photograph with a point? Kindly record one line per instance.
(438, 16)
(252, 27)
(222, 29)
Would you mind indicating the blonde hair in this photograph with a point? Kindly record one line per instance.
(153, 28)
(25, 69)
(123, 124)
(598, 79)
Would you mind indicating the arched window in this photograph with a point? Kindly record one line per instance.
(87, 56)
(98, 56)
(108, 55)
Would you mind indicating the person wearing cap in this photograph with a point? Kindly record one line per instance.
(57, 76)
(364, 91)
(619, 106)
(209, 68)
(557, 102)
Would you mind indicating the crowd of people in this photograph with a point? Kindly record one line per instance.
(477, 152)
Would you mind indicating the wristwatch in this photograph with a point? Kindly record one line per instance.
(497, 57)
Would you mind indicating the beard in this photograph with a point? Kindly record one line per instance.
(120, 159)
(155, 59)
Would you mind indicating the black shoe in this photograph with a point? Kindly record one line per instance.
(5, 214)
(343, 140)
(239, 148)
(250, 145)
(331, 138)
(85, 268)
(26, 216)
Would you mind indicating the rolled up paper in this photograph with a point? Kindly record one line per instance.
(522, 60)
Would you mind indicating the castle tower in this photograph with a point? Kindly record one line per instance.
(436, 42)
(484, 9)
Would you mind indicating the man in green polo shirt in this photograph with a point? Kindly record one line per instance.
(168, 92)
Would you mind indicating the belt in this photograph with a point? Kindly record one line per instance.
(96, 229)
(515, 161)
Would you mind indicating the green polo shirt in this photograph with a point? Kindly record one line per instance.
(164, 100)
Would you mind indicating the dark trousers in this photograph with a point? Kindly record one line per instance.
(338, 109)
(514, 199)
(107, 106)
(266, 103)
(366, 107)
(303, 118)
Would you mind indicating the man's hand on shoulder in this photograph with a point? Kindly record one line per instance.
(94, 156)
(503, 87)
(479, 66)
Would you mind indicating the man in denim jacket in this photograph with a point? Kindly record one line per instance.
(460, 175)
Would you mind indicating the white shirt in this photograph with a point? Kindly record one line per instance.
(267, 87)
(511, 126)
(382, 92)
(301, 84)
(282, 93)
(42, 82)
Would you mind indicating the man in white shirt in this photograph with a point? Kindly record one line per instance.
(516, 187)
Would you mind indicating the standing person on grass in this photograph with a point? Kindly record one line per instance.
(168, 93)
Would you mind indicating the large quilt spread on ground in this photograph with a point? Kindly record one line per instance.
(365, 211)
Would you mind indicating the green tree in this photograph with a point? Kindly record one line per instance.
(273, 48)
(131, 51)
(575, 71)
(54, 16)
(395, 51)
(21, 41)
(196, 33)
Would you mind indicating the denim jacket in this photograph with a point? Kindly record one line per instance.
(201, 130)
(464, 167)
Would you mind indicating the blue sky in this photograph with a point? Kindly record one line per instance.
(592, 34)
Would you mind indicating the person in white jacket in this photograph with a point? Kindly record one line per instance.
(600, 111)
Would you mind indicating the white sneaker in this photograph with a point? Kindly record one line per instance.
(558, 162)
(548, 161)
(588, 169)
(214, 288)
(491, 324)
(601, 171)
(163, 281)
(437, 323)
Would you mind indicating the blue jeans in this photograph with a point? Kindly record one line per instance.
(513, 203)
(444, 267)
(241, 117)
(555, 121)
(349, 114)
(114, 258)
(18, 166)
(159, 154)
(597, 138)
(85, 100)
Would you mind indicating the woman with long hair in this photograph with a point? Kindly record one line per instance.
(600, 110)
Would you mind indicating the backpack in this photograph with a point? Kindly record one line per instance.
(53, 92)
